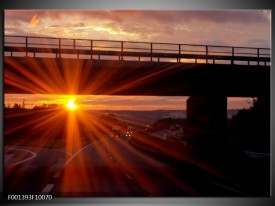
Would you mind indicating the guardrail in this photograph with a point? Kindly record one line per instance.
(130, 50)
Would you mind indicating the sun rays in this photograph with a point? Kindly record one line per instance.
(78, 130)
(71, 105)
(71, 128)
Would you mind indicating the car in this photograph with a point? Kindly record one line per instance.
(116, 131)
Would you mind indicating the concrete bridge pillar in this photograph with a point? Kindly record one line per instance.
(206, 122)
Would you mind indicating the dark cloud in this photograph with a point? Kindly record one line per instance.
(144, 25)
(220, 16)
(242, 17)
(26, 15)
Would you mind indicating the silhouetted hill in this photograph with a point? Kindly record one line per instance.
(154, 115)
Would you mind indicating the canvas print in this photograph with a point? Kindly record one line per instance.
(137, 103)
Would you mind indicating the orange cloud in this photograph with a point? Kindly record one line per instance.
(34, 21)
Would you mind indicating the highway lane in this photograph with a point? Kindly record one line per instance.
(112, 167)
(29, 169)
(107, 167)
(16, 156)
(95, 172)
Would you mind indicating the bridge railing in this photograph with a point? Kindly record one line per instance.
(134, 51)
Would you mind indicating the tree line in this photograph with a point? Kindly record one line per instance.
(21, 107)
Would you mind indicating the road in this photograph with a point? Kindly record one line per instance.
(111, 167)
(28, 169)
(89, 162)
(108, 167)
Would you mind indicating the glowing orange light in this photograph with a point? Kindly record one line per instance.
(71, 104)
(34, 21)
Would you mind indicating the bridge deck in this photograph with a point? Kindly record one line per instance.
(140, 51)
(73, 66)
(112, 77)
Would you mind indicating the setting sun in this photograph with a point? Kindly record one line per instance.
(71, 104)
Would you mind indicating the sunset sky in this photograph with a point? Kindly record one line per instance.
(249, 28)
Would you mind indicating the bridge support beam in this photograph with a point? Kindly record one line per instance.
(206, 123)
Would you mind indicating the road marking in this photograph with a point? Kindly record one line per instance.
(57, 174)
(74, 155)
(17, 163)
(228, 188)
(43, 148)
(47, 189)
(127, 175)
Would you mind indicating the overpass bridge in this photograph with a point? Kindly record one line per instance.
(80, 66)
(207, 73)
